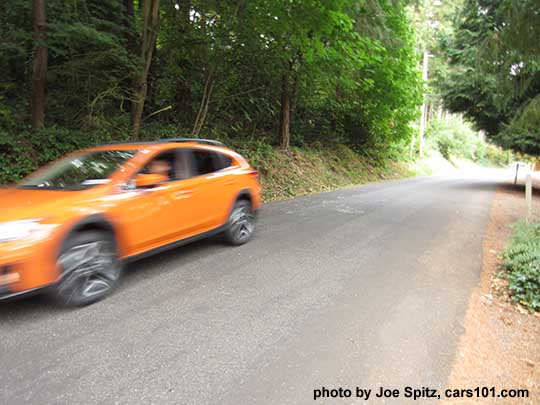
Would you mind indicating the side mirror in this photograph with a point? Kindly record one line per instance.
(149, 180)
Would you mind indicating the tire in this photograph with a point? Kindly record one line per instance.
(241, 223)
(90, 268)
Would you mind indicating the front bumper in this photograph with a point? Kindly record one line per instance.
(7, 295)
(9, 279)
(26, 268)
(4, 291)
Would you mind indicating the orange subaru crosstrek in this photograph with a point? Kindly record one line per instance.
(69, 227)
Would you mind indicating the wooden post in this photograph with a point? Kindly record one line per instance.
(517, 169)
(528, 196)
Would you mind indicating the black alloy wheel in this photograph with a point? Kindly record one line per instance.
(241, 224)
(90, 268)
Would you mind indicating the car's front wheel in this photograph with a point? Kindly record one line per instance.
(90, 268)
(241, 224)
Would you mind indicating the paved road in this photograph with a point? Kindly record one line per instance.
(365, 286)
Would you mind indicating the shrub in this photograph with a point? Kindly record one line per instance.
(522, 265)
(455, 137)
(23, 152)
(15, 159)
(496, 156)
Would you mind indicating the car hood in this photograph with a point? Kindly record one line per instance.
(18, 204)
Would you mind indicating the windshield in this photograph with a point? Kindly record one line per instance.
(80, 171)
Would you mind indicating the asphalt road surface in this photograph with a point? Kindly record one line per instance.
(362, 287)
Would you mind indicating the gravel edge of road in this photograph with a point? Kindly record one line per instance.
(499, 347)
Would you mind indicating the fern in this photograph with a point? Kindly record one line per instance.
(522, 265)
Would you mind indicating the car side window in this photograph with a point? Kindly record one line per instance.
(164, 163)
(208, 162)
(203, 162)
(222, 161)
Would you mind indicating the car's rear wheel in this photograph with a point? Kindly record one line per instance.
(90, 268)
(241, 224)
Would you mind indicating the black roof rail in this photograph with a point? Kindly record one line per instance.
(196, 140)
(125, 143)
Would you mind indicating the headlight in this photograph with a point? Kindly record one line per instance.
(16, 230)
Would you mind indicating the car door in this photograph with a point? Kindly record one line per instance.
(215, 187)
(155, 216)
(183, 219)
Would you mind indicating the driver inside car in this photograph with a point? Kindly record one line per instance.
(159, 166)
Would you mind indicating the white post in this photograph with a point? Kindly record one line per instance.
(528, 197)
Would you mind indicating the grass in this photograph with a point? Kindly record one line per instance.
(315, 169)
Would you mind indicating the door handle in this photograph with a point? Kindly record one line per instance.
(183, 194)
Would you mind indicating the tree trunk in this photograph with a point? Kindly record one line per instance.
(150, 80)
(210, 82)
(294, 96)
(150, 11)
(129, 23)
(140, 88)
(205, 102)
(182, 102)
(129, 35)
(284, 134)
(37, 102)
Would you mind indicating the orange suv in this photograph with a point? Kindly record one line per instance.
(69, 227)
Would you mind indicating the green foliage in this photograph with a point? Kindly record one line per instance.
(317, 168)
(451, 138)
(454, 137)
(89, 66)
(522, 265)
(523, 131)
(24, 152)
(516, 55)
(495, 156)
(493, 74)
(351, 66)
(467, 88)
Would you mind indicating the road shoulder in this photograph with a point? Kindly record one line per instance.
(499, 347)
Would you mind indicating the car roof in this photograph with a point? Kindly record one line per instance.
(160, 144)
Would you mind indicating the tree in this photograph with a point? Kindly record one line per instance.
(285, 72)
(88, 68)
(494, 71)
(515, 59)
(149, 32)
(297, 33)
(432, 20)
(221, 28)
(285, 111)
(37, 103)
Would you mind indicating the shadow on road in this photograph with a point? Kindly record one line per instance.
(512, 188)
(504, 186)
(40, 305)
(31, 306)
(162, 262)
(479, 185)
